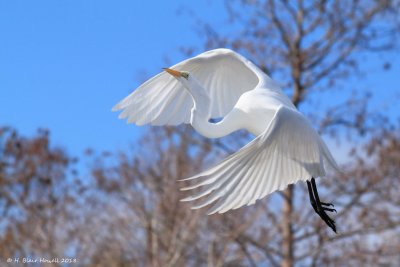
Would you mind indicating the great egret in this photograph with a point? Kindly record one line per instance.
(221, 83)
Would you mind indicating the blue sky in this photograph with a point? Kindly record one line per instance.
(64, 64)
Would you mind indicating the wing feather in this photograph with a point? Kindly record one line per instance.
(162, 100)
(289, 150)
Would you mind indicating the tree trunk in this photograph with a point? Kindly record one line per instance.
(287, 231)
(287, 235)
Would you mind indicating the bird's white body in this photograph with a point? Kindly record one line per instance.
(256, 108)
(222, 83)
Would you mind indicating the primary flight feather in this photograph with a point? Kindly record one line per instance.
(223, 84)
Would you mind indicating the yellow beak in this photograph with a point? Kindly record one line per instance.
(174, 73)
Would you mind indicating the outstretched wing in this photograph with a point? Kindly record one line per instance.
(289, 150)
(162, 100)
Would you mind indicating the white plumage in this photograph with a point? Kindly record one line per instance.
(222, 83)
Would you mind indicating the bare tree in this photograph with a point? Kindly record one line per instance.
(160, 230)
(35, 197)
(129, 213)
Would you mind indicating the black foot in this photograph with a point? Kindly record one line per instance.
(320, 207)
(327, 204)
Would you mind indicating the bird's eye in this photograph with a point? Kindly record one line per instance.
(185, 75)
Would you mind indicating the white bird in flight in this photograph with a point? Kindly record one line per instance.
(221, 83)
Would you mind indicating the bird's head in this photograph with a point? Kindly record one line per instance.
(182, 76)
(189, 82)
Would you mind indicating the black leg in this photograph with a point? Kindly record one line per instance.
(322, 213)
(312, 198)
(318, 206)
(314, 186)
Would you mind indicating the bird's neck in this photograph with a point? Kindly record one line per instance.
(201, 113)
